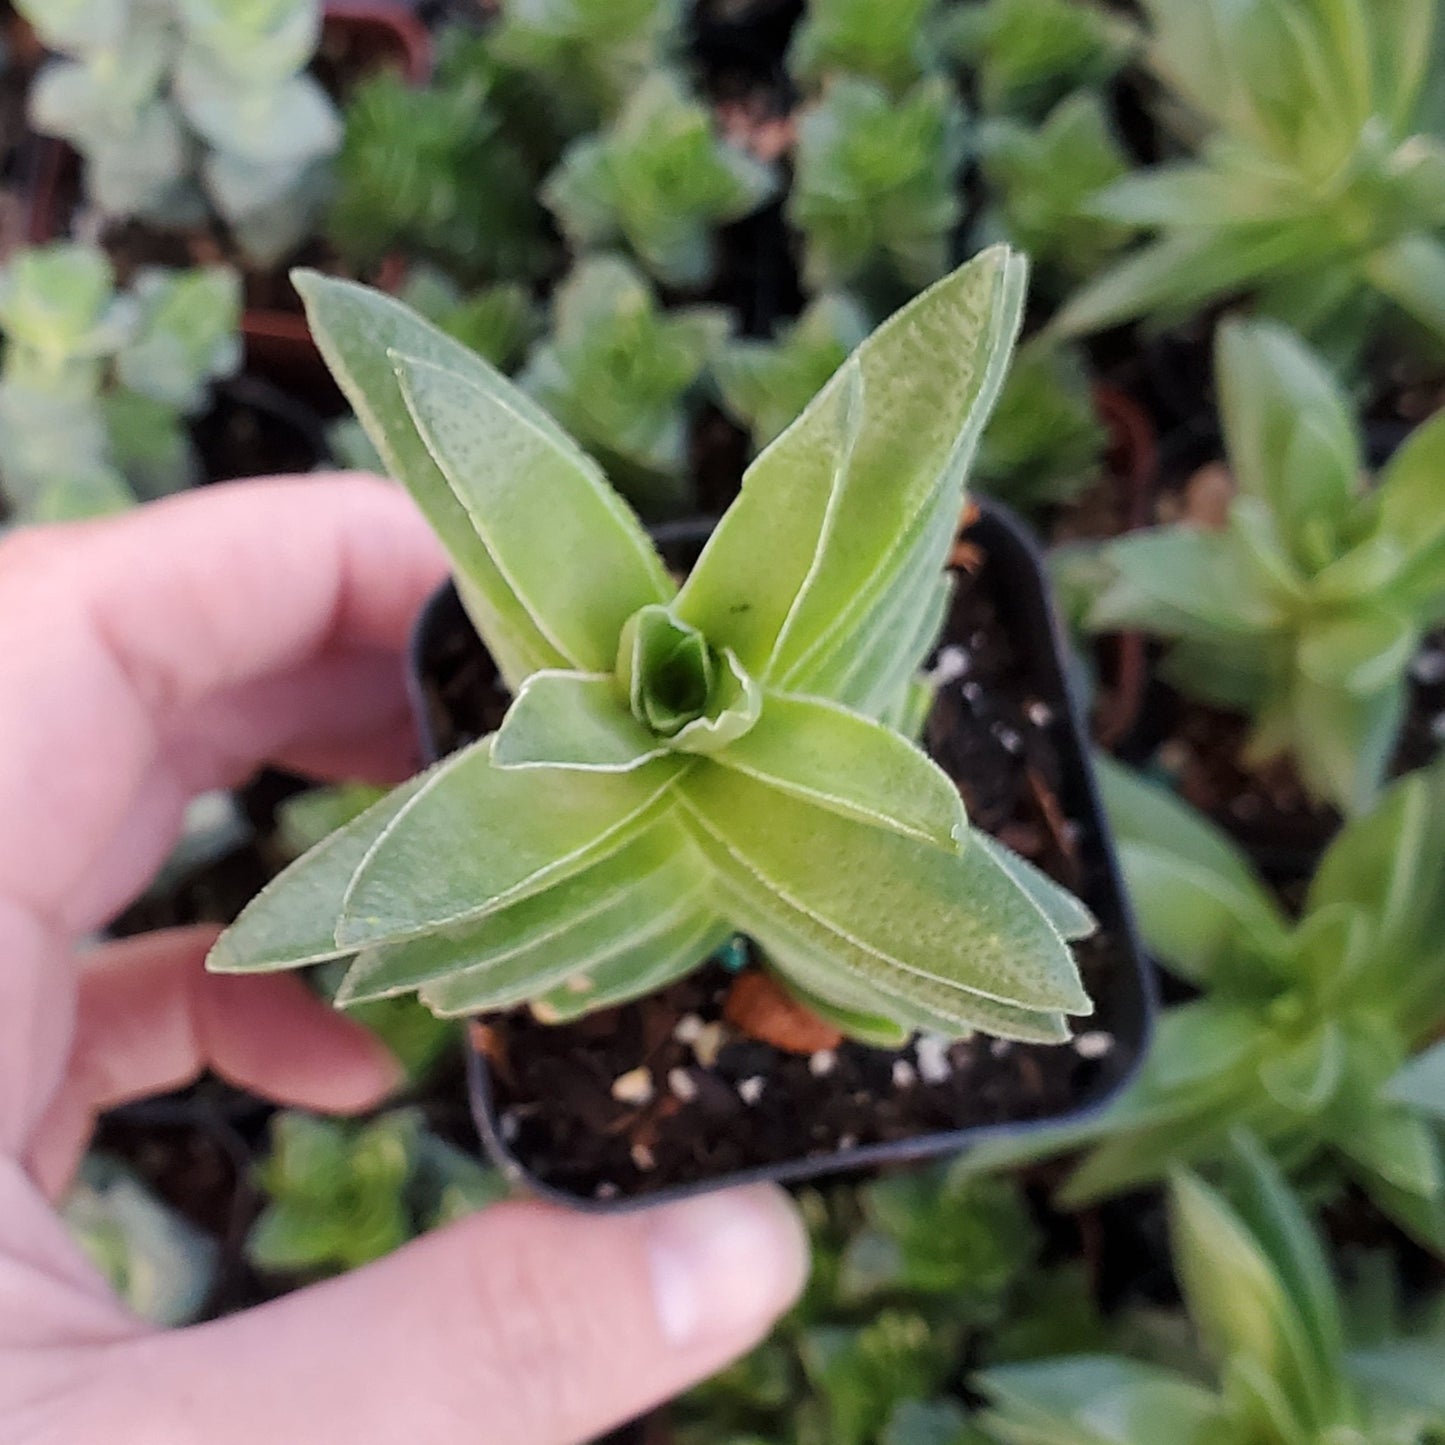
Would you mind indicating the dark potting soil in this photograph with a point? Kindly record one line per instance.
(708, 1101)
(1268, 809)
(254, 429)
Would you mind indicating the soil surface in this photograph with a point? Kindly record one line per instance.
(1268, 809)
(702, 1101)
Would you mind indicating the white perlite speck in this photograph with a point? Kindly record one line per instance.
(689, 1026)
(953, 663)
(1040, 713)
(751, 1090)
(821, 1064)
(643, 1158)
(681, 1084)
(1428, 669)
(708, 1044)
(633, 1087)
(1001, 1048)
(1094, 1045)
(905, 1076)
(931, 1051)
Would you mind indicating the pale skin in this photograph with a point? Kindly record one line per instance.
(144, 660)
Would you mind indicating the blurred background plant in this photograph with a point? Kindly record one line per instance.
(178, 107)
(97, 384)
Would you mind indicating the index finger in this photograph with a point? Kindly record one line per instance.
(151, 656)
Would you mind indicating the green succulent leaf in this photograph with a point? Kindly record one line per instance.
(789, 571)
(840, 760)
(359, 331)
(1097, 1400)
(558, 821)
(573, 720)
(597, 566)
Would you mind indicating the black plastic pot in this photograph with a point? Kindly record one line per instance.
(1011, 572)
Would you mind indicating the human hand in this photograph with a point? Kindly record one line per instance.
(144, 660)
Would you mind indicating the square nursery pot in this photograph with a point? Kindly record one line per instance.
(666, 1096)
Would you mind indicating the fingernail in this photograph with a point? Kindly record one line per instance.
(726, 1264)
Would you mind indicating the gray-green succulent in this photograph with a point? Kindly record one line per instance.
(680, 764)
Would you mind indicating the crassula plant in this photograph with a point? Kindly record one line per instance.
(1041, 177)
(619, 372)
(1024, 55)
(1306, 609)
(589, 55)
(875, 188)
(683, 763)
(658, 181)
(1315, 188)
(180, 106)
(341, 1194)
(1281, 1365)
(1318, 1031)
(96, 383)
(433, 172)
(892, 44)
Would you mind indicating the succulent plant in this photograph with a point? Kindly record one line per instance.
(1026, 55)
(436, 173)
(1041, 178)
(678, 765)
(177, 105)
(590, 54)
(96, 385)
(876, 182)
(1305, 611)
(659, 182)
(891, 44)
(1317, 1032)
(1282, 1369)
(1314, 190)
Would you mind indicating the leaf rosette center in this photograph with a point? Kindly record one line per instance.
(688, 694)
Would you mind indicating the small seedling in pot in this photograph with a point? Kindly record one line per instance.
(1316, 188)
(659, 182)
(1281, 1366)
(1306, 610)
(681, 764)
(97, 384)
(180, 106)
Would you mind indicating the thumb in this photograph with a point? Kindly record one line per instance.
(526, 1325)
